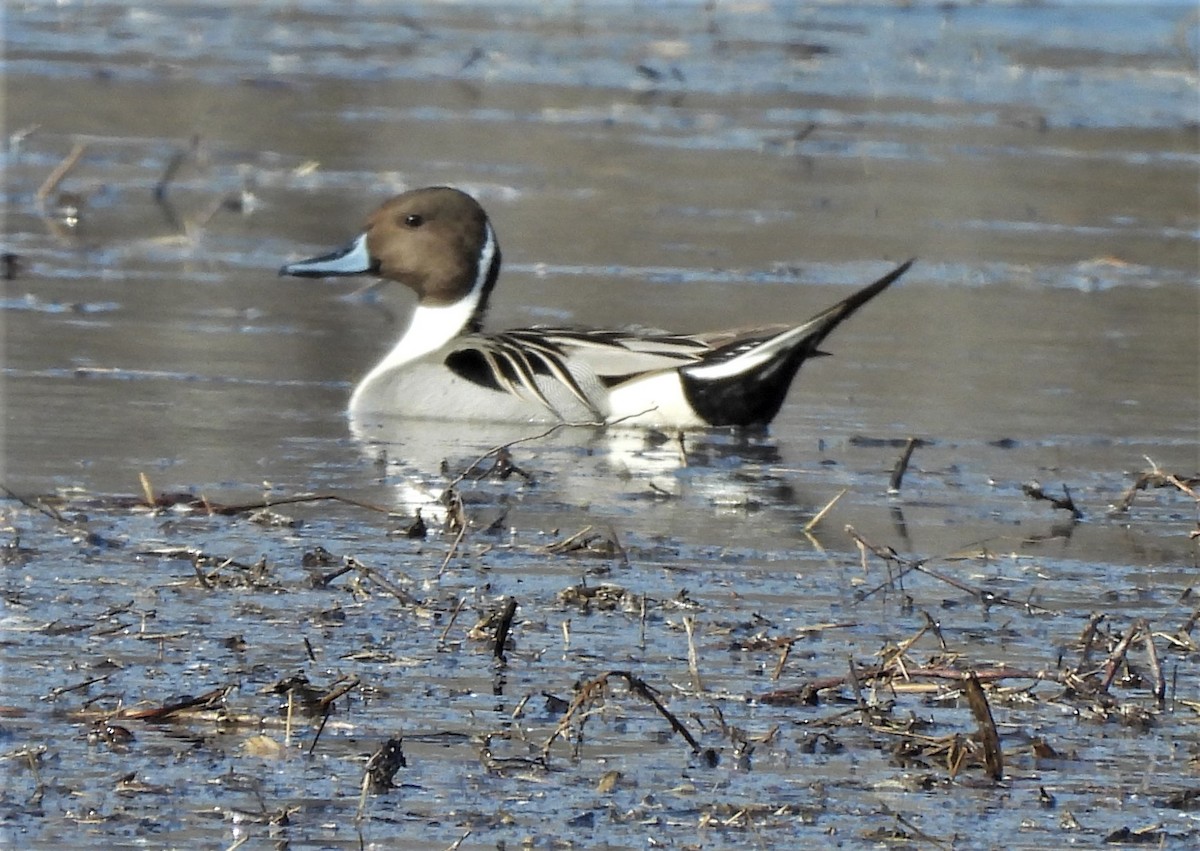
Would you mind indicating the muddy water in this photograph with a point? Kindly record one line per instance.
(685, 169)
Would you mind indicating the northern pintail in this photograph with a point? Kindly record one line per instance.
(439, 242)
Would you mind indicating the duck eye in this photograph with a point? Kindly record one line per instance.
(413, 220)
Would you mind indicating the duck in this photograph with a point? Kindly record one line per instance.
(439, 242)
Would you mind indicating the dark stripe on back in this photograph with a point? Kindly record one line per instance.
(474, 366)
(470, 364)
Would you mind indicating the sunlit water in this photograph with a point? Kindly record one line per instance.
(645, 164)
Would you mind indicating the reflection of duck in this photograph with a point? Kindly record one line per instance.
(439, 242)
(570, 466)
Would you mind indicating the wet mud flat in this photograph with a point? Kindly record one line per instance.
(229, 619)
(491, 680)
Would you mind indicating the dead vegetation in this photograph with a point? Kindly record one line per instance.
(372, 646)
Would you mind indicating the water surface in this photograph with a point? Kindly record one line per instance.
(661, 165)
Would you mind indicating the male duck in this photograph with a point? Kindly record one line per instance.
(438, 242)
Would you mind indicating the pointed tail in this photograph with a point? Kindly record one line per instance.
(815, 330)
(742, 384)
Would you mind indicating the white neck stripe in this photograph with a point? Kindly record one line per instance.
(433, 326)
(486, 255)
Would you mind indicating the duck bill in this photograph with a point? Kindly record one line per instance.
(352, 259)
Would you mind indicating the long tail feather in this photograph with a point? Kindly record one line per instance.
(740, 385)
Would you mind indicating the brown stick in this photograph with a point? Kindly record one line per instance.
(55, 692)
(945, 672)
(640, 688)
(1113, 663)
(1156, 670)
(1156, 478)
(334, 693)
(1087, 638)
(462, 601)
(993, 757)
(902, 465)
(382, 581)
(590, 691)
(56, 177)
(783, 657)
(37, 505)
(1033, 490)
(503, 628)
(988, 598)
(820, 515)
(689, 626)
(160, 713)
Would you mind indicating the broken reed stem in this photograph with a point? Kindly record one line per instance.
(462, 601)
(784, 653)
(908, 565)
(64, 168)
(639, 687)
(612, 532)
(147, 490)
(1183, 485)
(689, 626)
(1155, 477)
(295, 500)
(593, 690)
(569, 543)
(287, 724)
(61, 690)
(936, 628)
(462, 531)
(993, 757)
(208, 700)
(800, 694)
(503, 628)
(374, 575)
(820, 515)
(1117, 657)
(1033, 490)
(902, 465)
(326, 578)
(889, 555)
(321, 728)
(333, 694)
(584, 694)
(201, 503)
(37, 506)
(362, 797)
(920, 834)
(1087, 638)
(856, 685)
(1156, 671)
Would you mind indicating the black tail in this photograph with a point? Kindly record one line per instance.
(745, 385)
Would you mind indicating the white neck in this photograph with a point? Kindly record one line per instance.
(431, 328)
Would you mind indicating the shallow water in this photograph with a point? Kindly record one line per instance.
(650, 164)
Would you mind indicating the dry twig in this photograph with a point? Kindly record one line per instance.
(902, 465)
(1033, 490)
(592, 692)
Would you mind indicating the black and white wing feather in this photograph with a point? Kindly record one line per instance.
(543, 363)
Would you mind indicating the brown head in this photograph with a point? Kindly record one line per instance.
(429, 240)
(436, 241)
